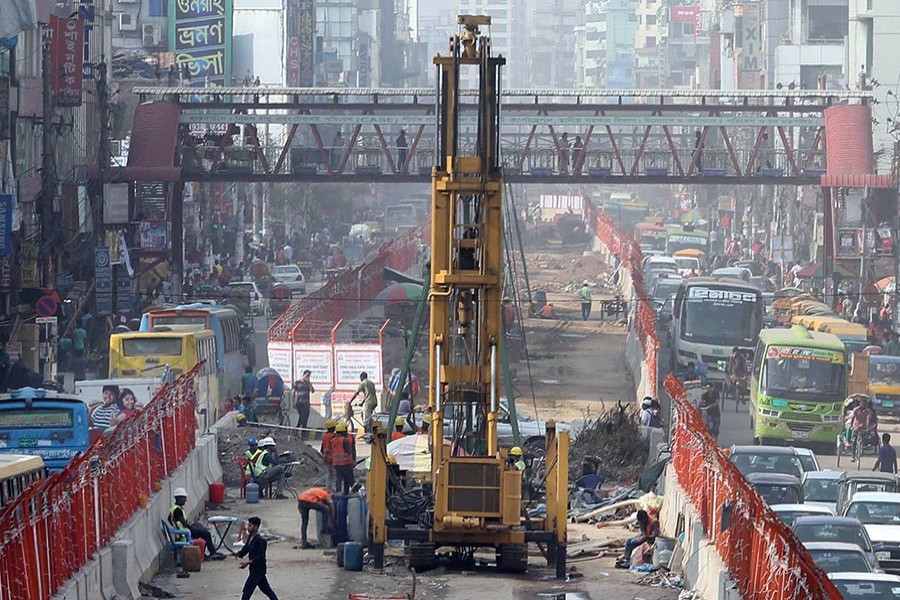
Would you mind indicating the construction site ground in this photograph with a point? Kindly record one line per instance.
(575, 366)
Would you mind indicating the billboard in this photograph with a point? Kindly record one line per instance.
(306, 32)
(200, 33)
(750, 58)
(67, 60)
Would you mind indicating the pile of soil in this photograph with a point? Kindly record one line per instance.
(569, 272)
(233, 443)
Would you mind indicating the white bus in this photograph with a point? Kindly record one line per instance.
(710, 317)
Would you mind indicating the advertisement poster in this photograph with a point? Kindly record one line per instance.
(67, 52)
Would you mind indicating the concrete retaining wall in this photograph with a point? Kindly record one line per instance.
(704, 571)
(135, 553)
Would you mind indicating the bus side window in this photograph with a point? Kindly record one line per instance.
(758, 358)
(676, 306)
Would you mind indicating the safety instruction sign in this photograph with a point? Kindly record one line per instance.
(353, 359)
(319, 360)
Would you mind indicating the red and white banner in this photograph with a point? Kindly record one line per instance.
(67, 60)
(293, 61)
(280, 360)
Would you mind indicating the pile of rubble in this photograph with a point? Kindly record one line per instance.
(613, 440)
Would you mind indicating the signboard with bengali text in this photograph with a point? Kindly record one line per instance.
(352, 359)
(280, 360)
(200, 35)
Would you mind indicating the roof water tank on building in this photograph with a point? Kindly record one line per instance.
(848, 136)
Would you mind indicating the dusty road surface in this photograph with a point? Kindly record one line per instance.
(575, 365)
(297, 574)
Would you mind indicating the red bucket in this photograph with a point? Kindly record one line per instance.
(217, 493)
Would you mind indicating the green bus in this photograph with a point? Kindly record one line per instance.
(679, 237)
(798, 386)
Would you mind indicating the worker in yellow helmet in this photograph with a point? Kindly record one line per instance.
(399, 423)
(514, 460)
(426, 423)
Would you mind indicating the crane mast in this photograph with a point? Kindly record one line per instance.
(477, 497)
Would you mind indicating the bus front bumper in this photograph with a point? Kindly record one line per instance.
(783, 428)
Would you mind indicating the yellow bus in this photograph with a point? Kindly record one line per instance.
(17, 472)
(150, 353)
(854, 335)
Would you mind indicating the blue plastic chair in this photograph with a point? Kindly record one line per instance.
(176, 540)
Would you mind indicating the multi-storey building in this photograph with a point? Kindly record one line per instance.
(608, 51)
(646, 44)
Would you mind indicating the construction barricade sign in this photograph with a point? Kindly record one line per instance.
(351, 360)
(280, 360)
(318, 359)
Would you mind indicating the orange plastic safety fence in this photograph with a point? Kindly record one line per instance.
(762, 556)
(55, 528)
(351, 293)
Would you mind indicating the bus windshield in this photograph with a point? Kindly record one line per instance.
(151, 346)
(685, 241)
(883, 372)
(809, 373)
(721, 316)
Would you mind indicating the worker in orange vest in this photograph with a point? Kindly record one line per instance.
(318, 499)
(343, 458)
(398, 434)
(325, 450)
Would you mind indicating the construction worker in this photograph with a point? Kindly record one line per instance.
(343, 458)
(326, 453)
(584, 294)
(426, 423)
(263, 466)
(178, 520)
(317, 499)
(507, 314)
(398, 434)
(514, 460)
(548, 312)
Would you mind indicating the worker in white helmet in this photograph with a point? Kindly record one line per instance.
(584, 295)
(178, 520)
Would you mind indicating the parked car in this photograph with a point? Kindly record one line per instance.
(879, 512)
(838, 557)
(821, 488)
(866, 586)
(835, 529)
(777, 488)
(766, 459)
(789, 512)
(291, 276)
(852, 482)
(258, 303)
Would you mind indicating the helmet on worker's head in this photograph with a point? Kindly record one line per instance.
(586, 282)
(399, 422)
(427, 418)
(251, 442)
(240, 417)
(329, 423)
(266, 442)
(180, 493)
(392, 459)
(515, 451)
(341, 427)
(646, 402)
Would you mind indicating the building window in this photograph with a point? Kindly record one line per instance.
(651, 19)
(632, 17)
(158, 8)
(651, 41)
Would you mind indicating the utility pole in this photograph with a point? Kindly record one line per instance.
(48, 169)
(103, 149)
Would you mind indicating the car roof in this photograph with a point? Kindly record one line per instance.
(874, 477)
(864, 577)
(660, 259)
(763, 450)
(813, 508)
(842, 546)
(892, 497)
(826, 520)
(826, 474)
(777, 478)
(804, 451)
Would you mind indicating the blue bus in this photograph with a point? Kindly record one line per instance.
(48, 424)
(225, 324)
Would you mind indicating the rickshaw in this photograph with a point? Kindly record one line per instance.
(691, 253)
(280, 299)
(866, 442)
(268, 397)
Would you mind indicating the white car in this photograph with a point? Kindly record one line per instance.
(788, 512)
(839, 557)
(687, 265)
(821, 488)
(807, 458)
(258, 303)
(292, 277)
(879, 512)
(866, 586)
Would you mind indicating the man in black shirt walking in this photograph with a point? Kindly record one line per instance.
(709, 403)
(256, 549)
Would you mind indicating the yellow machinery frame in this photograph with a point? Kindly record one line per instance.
(477, 499)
